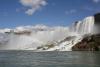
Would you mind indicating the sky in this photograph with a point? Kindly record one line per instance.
(15, 13)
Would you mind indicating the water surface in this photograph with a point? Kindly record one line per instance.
(49, 59)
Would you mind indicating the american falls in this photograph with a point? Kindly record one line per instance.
(45, 38)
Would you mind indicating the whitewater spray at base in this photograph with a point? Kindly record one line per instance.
(44, 38)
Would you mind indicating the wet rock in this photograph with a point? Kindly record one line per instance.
(89, 43)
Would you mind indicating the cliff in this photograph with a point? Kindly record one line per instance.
(88, 43)
(97, 22)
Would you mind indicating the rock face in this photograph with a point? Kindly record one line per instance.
(97, 22)
(89, 43)
(97, 18)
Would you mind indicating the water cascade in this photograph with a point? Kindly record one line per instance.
(85, 26)
(45, 38)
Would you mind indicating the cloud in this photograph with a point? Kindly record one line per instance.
(88, 8)
(33, 5)
(96, 1)
(17, 10)
(71, 11)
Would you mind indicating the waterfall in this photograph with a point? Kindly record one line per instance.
(85, 26)
(49, 38)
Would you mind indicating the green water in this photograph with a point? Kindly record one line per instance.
(49, 59)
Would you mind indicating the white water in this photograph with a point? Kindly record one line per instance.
(66, 45)
(85, 26)
(31, 37)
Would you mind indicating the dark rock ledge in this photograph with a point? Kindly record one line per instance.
(89, 43)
